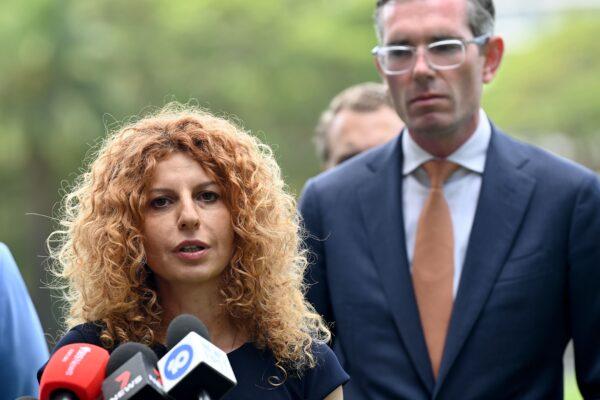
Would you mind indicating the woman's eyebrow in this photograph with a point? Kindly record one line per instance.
(202, 185)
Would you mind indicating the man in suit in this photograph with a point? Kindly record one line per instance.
(358, 118)
(454, 262)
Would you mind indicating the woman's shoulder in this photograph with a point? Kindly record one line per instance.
(323, 353)
(259, 377)
(327, 374)
(88, 332)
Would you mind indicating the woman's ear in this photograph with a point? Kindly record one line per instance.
(493, 51)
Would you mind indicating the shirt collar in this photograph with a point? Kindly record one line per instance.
(471, 155)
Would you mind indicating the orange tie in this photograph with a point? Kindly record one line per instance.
(433, 262)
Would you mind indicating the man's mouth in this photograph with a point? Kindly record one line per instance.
(426, 98)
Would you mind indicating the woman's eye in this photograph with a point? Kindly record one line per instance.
(208, 197)
(160, 202)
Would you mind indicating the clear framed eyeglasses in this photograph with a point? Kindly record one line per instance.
(441, 55)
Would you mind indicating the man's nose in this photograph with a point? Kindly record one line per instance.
(421, 67)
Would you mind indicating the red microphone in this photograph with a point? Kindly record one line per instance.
(75, 371)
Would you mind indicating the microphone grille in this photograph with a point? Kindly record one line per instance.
(127, 350)
(181, 326)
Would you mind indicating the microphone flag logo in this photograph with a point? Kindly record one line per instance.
(179, 361)
(123, 379)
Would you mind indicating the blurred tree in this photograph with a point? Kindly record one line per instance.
(73, 69)
(552, 87)
(76, 69)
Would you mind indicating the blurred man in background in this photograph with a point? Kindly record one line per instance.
(455, 262)
(360, 117)
(22, 346)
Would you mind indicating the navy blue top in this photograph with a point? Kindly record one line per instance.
(254, 370)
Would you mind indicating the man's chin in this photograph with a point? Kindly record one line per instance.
(430, 124)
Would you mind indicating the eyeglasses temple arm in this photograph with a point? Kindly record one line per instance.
(481, 40)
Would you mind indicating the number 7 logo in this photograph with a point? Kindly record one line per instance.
(123, 379)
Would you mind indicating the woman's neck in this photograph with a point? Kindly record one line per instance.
(204, 303)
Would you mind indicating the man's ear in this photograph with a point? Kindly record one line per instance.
(493, 51)
(378, 66)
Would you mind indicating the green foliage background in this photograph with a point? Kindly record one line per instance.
(553, 86)
(73, 69)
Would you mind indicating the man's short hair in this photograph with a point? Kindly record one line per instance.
(480, 15)
(364, 97)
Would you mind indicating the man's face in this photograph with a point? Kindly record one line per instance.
(434, 103)
(352, 132)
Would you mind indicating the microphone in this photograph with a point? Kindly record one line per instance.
(74, 372)
(131, 374)
(194, 366)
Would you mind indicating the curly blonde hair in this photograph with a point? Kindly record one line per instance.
(99, 254)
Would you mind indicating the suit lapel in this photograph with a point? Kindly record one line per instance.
(381, 205)
(503, 200)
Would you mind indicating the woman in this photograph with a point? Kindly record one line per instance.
(184, 212)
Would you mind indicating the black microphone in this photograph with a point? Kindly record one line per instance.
(132, 375)
(64, 395)
(194, 367)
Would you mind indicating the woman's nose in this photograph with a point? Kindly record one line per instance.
(189, 217)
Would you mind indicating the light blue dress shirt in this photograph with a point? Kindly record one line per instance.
(23, 348)
(461, 189)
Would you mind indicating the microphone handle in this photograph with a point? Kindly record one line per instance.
(204, 396)
(63, 394)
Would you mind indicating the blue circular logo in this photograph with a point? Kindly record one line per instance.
(178, 362)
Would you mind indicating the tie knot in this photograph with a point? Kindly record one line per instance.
(439, 171)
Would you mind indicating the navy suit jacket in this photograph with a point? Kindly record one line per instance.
(530, 281)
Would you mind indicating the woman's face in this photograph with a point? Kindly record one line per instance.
(188, 235)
